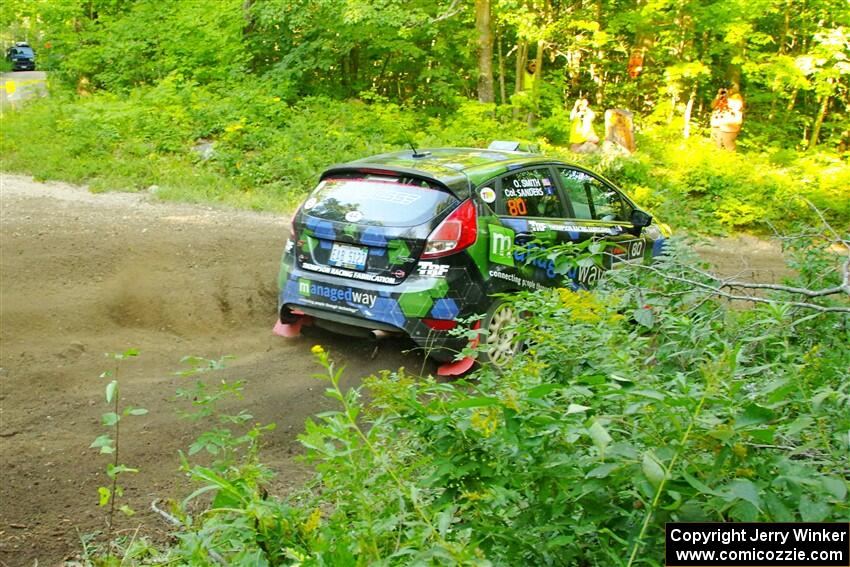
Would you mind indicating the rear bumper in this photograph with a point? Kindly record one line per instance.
(347, 306)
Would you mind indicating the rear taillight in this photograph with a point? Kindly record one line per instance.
(456, 232)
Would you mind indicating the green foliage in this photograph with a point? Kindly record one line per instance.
(267, 154)
(108, 444)
(641, 403)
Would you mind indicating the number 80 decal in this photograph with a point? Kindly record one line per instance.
(516, 207)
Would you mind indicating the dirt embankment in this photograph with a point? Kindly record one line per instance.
(82, 275)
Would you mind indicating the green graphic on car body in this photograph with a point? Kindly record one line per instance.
(501, 245)
(397, 250)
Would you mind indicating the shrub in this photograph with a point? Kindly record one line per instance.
(643, 402)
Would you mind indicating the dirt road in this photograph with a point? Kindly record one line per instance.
(82, 275)
(86, 274)
(18, 86)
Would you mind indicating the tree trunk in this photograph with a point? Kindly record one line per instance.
(686, 133)
(521, 58)
(485, 51)
(502, 90)
(519, 83)
(819, 121)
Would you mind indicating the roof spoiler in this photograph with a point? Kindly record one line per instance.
(513, 146)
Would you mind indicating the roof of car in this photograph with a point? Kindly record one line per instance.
(457, 168)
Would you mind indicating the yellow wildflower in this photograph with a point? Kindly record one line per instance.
(485, 421)
(317, 349)
(312, 522)
(584, 306)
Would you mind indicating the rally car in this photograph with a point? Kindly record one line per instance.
(413, 242)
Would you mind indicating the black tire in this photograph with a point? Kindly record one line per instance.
(502, 340)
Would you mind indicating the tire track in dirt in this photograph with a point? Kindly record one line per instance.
(83, 274)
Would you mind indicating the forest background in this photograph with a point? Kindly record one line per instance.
(245, 101)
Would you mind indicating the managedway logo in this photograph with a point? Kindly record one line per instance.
(501, 245)
(347, 295)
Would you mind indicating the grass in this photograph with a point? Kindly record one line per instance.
(267, 154)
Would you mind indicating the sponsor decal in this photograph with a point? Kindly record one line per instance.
(535, 226)
(548, 266)
(627, 250)
(488, 195)
(334, 271)
(396, 197)
(501, 245)
(587, 275)
(523, 191)
(308, 288)
(310, 203)
(432, 270)
(527, 187)
(517, 207)
(353, 216)
(516, 280)
(586, 229)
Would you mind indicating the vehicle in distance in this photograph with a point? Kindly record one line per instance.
(413, 242)
(21, 56)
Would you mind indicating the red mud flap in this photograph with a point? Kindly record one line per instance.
(456, 368)
(462, 366)
(288, 331)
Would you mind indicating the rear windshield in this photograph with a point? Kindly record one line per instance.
(378, 200)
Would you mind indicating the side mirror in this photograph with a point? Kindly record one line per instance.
(640, 219)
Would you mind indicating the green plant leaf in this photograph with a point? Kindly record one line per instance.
(652, 469)
(111, 389)
(644, 317)
(127, 511)
(599, 435)
(836, 487)
(754, 414)
(743, 489)
(576, 408)
(110, 419)
(813, 510)
(114, 470)
(602, 471)
(105, 494)
(136, 411)
(542, 390)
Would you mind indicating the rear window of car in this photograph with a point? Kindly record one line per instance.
(378, 200)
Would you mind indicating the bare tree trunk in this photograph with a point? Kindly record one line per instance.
(793, 100)
(688, 110)
(521, 58)
(538, 73)
(819, 121)
(485, 51)
(502, 91)
(519, 83)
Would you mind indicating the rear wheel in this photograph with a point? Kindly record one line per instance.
(503, 341)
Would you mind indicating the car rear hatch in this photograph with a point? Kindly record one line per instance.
(369, 226)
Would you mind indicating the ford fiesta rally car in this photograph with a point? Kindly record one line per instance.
(411, 242)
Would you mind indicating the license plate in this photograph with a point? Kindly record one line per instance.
(345, 256)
